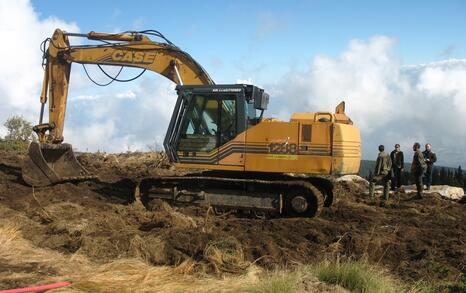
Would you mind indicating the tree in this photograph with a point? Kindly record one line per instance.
(19, 129)
(405, 178)
(436, 176)
(443, 176)
(464, 182)
(451, 178)
(459, 176)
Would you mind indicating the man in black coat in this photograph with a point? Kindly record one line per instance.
(398, 164)
(430, 157)
(418, 167)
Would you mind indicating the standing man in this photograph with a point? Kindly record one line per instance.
(430, 157)
(398, 164)
(381, 173)
(418, 168)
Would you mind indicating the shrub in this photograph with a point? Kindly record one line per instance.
(17, 146)
(19, 129)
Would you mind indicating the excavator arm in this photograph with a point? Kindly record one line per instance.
(132, 50)
(51, 161)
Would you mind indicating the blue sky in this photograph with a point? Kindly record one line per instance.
(399, 65)
(263, 39)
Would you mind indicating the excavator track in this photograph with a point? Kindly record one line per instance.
(262, 198)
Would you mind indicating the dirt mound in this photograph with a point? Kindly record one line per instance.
(110, 167)
(416, 239)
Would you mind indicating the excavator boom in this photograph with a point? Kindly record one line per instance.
(49, 161)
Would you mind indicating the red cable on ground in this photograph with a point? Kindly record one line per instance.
(37, 288)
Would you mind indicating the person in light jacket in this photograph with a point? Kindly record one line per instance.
(418, 167)
(382, 173)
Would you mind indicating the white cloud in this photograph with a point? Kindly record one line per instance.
(268, 23)
(244, 81)
(445, 84)
(138, 23)
(97, 136)
(129, 94)
(135, 120)
(22, 30)
(366, 75)
(390, 103)
(84, 98)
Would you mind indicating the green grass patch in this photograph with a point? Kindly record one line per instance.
(278, 282)
(355, 276)
(16, 146)
(454, 287)
(458, 286)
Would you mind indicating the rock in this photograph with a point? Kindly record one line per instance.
(446, 191)
(450, 192)
(352, 178)
(111, 158)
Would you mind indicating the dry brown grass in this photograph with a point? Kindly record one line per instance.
(35, 265)
(122, 275)
(226, 255)
(137, 275)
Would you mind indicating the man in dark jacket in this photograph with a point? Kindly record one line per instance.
(397, 166)
(430, 157)
(418, 167)
(381, 173)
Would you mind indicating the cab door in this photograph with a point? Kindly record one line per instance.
(199, 133)
(231, 135)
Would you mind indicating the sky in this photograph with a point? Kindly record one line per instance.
(399, 65)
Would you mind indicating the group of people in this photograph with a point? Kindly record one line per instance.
(389, 169)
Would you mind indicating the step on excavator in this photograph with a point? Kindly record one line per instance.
(250, 163)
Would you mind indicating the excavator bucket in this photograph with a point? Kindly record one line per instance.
(47, 164)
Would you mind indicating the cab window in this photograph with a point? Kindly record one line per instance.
(199, 128)
(210, 121)
(228, 119)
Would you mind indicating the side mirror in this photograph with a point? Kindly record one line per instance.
(261, 99)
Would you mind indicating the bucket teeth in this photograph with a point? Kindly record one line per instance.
(47, 164)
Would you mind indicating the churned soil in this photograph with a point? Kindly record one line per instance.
(413, 239)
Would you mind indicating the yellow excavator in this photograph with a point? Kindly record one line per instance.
(254, 164)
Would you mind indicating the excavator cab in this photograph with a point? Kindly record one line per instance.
(206, 117)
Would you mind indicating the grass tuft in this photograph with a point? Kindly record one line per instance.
(278, 282)
(226, 255)
(355, 276)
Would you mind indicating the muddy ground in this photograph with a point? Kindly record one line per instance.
(414, 239)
